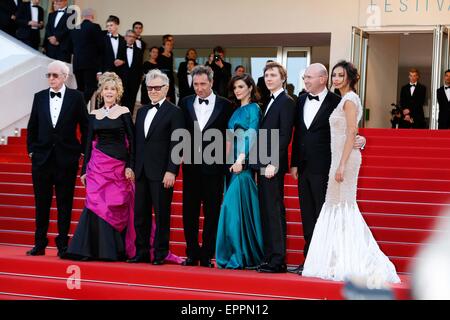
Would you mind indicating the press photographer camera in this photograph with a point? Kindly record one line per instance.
(401, 118)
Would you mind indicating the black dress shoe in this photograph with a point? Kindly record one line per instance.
(189, 262)
(297, 270)
(36, 252)
(139, 259)
(158, 262)
(206, 263)
(267, 268)
(62, 252)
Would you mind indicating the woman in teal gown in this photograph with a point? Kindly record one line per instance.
(239, 236)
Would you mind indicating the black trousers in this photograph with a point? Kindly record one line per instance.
(45, 178)
(312, 189)
(200, 188)
(33, 40)
(273, 218)
(86, 82)
(152, 195)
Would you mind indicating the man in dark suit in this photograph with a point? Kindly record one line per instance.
(155, 168)
(262, 89)
(443, 96)
(185, 80)
(138, 28)
(58, 43)
(8, 11)
(55, 150)
(115, 48)
(311, 150)
(278, 119)
(222, 72)
(412, 97)
(30, 19)
(202, 182)
(132, 75)
(87, 41)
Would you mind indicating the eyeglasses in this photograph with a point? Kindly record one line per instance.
(53, 75)
(156, 88)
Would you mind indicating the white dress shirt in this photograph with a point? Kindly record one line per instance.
(56, 104)
(189, 78)
(150, 116)
(413, 87)
(138, 43)
(275, 95)
(115, 45)
(204, 111)
(59, 16)
(312, 107)
(34, 14)
(447, 93)
(130, 56)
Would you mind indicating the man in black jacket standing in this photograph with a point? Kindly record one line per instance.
(155, 168)
(412, 97)
(87, 41)
(443, 96)
(57, 38)
(30, 20)
(55, 150)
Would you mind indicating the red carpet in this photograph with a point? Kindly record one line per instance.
(404, 186)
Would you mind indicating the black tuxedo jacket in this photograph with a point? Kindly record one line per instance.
(153, 152)
(42, 138)
(219, 120)
(62, 51)
(279, 117)
(7, 9)
(88, 46)
(311, 147)
(444, 109)
(23, 17)
(222, 77)
(108, 55)
(415, 102)
(132, 76)
(183, 84)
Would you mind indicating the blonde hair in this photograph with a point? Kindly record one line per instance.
(105, 79)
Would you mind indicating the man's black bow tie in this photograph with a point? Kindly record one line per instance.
(447, 87)
(154, 106)
(114, 37)
(272, 97)
(35, 6)
(53, 94)
(200, 100)
(61, 10)
(412, 85)
(130, 47)
(311, 97)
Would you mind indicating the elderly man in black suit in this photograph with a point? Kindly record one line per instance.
(132, 71)
(57, 38)
(202, 182)
(30, 19)
(87, 41)
(412, 97)
(443, 96)
(155, 168)
(55, 151)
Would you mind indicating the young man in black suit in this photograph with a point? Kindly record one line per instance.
(202, 182)
(30, 19)
(185, 80)
(138, 28)
(311, 150)
(132, 75)
(278, 118)
(443, 96)
(115, 48)
(55, 150)
(87, 41)
(155, 168)
(8, 12)
(58, 45)
(412, 97)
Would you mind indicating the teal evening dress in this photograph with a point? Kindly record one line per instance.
(239, 236)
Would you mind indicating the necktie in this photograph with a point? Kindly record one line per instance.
(53, 94)
(206, 101)
(154, 106)
(447, 87)
(311, 97)
(114, 37)
(272, 97)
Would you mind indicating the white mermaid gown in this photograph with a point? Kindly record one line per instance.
(342, 245)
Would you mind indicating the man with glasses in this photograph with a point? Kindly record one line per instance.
(155, 168)
(55, 150)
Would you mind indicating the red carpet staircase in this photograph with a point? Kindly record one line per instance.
(404, 185)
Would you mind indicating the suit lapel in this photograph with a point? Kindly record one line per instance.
(216, 111)
(46, 106)
(162, 111)
(322, 109)
(64, 107)
(190, 107)
(301, 112)
(266, 114)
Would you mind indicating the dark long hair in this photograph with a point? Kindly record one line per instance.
(248, 80)
(350, 70)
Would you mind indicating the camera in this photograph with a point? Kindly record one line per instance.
(396, 110)
(217, 56)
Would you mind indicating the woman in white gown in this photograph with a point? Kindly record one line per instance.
(342, 245)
